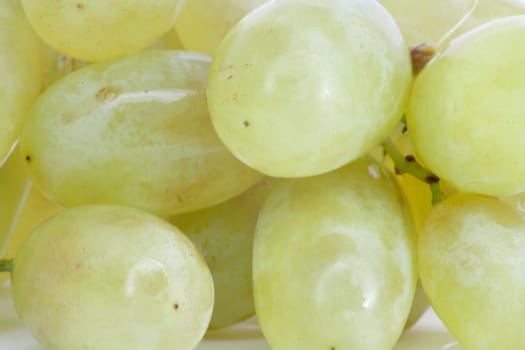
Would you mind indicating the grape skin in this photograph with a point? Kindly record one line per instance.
(465, 114)
(224, 235)
(14, 188)
(135, 132)
(112, 278)
(99, 30)
(19, 72)
(299, 88)
(471, 254)
(203, 24)
(334, 261)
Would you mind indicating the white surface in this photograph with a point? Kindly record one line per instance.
(427, 334)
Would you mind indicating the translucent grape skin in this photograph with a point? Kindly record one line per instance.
(134, 132)
(224, 235)
(104, 277)
(202, 24)
(99, 30)
(334, 261)
(471, 257)
(14, 187)
(299, 88)
(19, 72)
(35, 210)
(465, 114)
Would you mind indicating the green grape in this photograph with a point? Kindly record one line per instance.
(334, 263)
(19, 72)
(471, 262)
(203, 24)
(465, 114)
(134, 132)
(105, 277)
(224, 234)
(98, 29)
(301, 87)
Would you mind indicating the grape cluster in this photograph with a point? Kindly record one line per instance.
(330, 166)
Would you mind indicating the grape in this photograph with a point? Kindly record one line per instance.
(35, 210)
(202, 24)
(14, 187)
(334, 262)
(20, 72)
(134, 132)
(105, 277)
(98, 29)
(466, 110)
(471, 257)
(224, 234)
(299, 88)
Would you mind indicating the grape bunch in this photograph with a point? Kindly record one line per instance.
(331, 167)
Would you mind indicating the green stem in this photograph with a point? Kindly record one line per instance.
(409, 165)
(6, 265)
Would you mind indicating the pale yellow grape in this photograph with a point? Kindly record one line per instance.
(427, 21)
(14, 187)
(35, 210)
(471, 264)
(224, 235)
(300, 88)
(465, 115)
(334, 263)
(98, 29)
(19, 72)
(202, 24)
(106, 277)
(135, 132)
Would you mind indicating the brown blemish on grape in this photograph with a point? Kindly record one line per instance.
(107, 93)
(176, 306)
(432, 179)
(28, 158)
(332, 348)
(246, 123)
(80, 6)
(421, 55)
(229, 77)
(410, 158)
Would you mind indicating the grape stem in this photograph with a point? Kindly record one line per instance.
(6, 265)
(409, 165)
